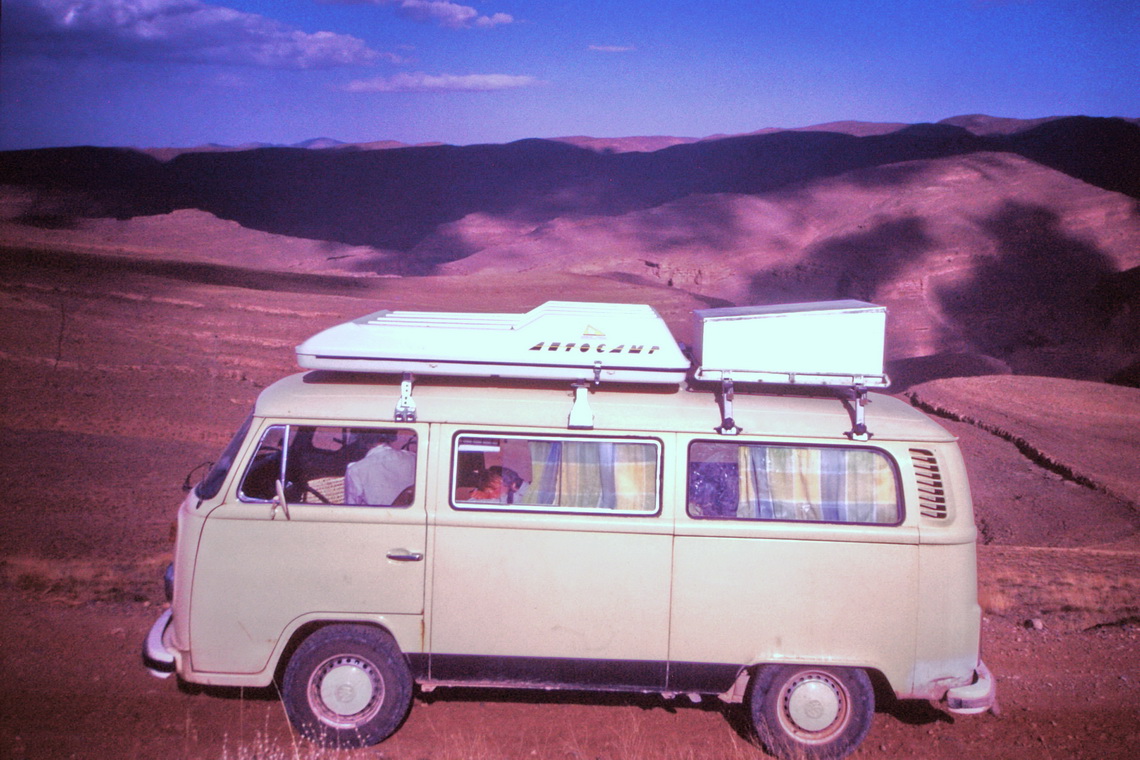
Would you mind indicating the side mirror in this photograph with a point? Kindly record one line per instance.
(190, 480)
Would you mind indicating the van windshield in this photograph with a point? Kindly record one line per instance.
(210, 485)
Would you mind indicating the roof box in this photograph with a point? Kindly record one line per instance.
(560, 340)
(826, 343)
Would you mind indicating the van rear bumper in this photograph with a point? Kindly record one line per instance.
(975, 697)
(156, 657)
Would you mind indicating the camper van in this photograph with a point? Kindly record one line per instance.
(568, 499)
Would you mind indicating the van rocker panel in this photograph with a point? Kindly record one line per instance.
(572, 673)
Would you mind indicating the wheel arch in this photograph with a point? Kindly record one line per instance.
(305, 627)
(884, 690)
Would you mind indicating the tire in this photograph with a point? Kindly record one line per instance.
(814, 713)
(347, 686)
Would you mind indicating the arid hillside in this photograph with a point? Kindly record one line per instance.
(122, 375)
(144, 304)
(997, 245)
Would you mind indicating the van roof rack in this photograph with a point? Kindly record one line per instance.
(830, 343)
(823, 343)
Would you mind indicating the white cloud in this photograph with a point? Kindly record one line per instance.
(612, 48)
(421, 82)
(442, 12)
(188, 31)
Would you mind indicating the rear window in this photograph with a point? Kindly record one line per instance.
(556, 474)
(832, 484)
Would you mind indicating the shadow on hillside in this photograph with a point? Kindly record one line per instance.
(708, 224)
(847, 266)
(394, 199)
(1047, 303)
(864, 261)
(1102, 152)
(397, 199)
(1036, 305)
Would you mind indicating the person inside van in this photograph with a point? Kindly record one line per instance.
(383, 474)
(497, 485)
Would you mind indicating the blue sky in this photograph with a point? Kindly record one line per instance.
(162, 73)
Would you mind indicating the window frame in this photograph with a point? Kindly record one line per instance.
(537, 509)
(896, 473)
(251, 460)
(291, 430)
(219, 471)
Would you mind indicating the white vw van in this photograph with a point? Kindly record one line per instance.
(564, 499)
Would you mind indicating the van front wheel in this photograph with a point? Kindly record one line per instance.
(812, 712)
(347, 686)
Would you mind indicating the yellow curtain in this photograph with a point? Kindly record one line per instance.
(815, 484)
(635, 477)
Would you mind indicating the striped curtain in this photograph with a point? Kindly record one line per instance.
(635, 477)
(594, 475)
(816, 485)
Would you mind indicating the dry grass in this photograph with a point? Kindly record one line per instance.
(1072, 589)
(85, 580)
(626, 737)
(484, 745)
(262, 747)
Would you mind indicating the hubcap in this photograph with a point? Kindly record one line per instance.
(814, 707)
(345, 691)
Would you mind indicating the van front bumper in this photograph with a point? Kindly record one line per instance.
(975, 697)
(157, 658)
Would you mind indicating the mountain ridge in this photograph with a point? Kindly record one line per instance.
(979, 124)
(394, 199)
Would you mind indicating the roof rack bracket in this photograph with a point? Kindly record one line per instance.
(858, 431)
(406, 406)
(581, 415)
(728, 425)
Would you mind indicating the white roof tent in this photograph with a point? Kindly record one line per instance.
(825, 343)
(560, 340)
(836, 343)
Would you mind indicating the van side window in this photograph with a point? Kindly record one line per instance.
(334, 465)
(555, 474)
(740, 481)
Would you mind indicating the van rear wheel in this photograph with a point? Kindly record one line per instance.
(812, 712)
(347, 686)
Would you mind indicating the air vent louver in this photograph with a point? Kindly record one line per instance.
(931, 492)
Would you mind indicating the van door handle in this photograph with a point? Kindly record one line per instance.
(403, 555)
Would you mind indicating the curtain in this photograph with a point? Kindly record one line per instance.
(580, 484)
(816, 484)
(593, 475)
(545, 457)
(635, 477)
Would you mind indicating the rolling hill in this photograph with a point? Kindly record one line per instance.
(998, 244)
